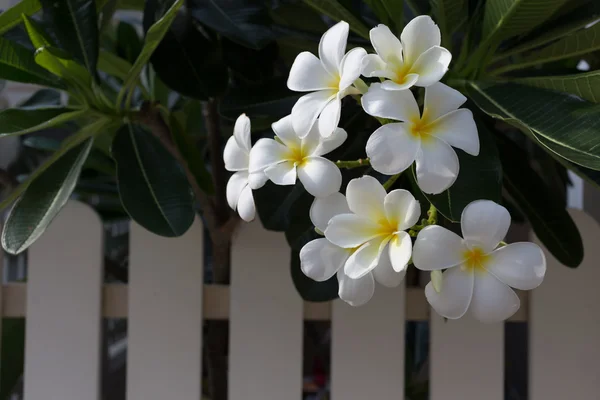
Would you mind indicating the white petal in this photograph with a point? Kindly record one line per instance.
(384, 273)
(283, 173)
(235, 185)
(437, 166)
(373, 65)
(391, 148)
(409, 81)
(330, 117)
(386, 44)
(397, 105)
(350, 230)
(256, 180)
(328, 144)
(285, 131)
(265, 153)
(458, 129)
(400, 251)
(493, 301)
(333, 46)
(519, 265)
(241, 132)
(324, 208)
(308, 74)
(320, 176)
(320, 259)
(363, 260)
(245, 206)
(402, 209)
(235, 157)
(484, 224)
(365, 197)
(454, 298)
(351, 67)
(307, 109)
(355, 292)
(440, 100)
(437, 248)
(431, 66)
(420, 34)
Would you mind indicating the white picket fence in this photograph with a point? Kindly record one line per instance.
(166, 301)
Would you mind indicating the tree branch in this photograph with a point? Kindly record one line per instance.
(211, 115)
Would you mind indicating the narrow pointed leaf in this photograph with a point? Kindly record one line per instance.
(570, 124)
(43, 200)
(113, 64)
(76, 26)
(152, 185)
(449, 14)
(17, 64)
(19, 121)
(586, 85)
(550, 221)
(336, 11)
(507, 18)
(480, 177)
(12, 17)
(129, 44)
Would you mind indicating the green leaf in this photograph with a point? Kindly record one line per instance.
(75, 24)
(337, 12)
(579, 43)
(480, 177)
(152, 186)
(274, 204)
(550, 221)
(113, 64)
(12, 17)
(19, 121)
(311, 290)
(298, 16)
(13, 354)
(153, 38)
(129, 44)
(43, 200)
(507, 18)
(449, 14)
(188, 146)
(246, 22)
(189, 62)
(572, 125)
(557, 28)
(18, 64)
(586, 85)
(82, 135)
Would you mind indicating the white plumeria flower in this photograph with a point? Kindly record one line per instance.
(479, 277)
(415, 59)
(329, 78)
(320, 259)
(237, 158)
(376, 227)
(425, 138)
(292, 157)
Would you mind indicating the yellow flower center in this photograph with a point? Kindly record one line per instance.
(334, 83)
(296, 156)
(475, 259)
(400, 70)
(387, 227)
(420, 128)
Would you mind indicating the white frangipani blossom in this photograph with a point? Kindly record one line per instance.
(425, 138)
(320, 259)
(375, 229)
(290, 157)
(478, 275)
(237, 157)
(415, 59)
(329, 78)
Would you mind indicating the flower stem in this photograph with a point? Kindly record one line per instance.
(432, 214)
(431, 220)
(388, 184)
(361, 162)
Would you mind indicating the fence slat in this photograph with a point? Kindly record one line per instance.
(467, 359)
(265, 339)
(367, 349)
(564, 324)
(165, 315)
(62, 348)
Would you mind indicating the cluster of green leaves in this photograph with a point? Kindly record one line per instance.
(514, 59)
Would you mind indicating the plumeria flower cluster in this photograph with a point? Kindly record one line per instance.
(367, 234)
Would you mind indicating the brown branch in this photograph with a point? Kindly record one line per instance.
(211, 116)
